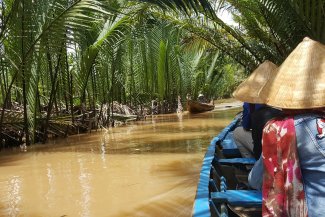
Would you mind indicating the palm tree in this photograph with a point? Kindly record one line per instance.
(266, 29)
(29, 30)
(57, 55)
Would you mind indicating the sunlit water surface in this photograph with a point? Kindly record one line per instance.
(147, 168)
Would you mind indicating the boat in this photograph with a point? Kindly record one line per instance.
(223, 189)
(124, 117)
(198, 107)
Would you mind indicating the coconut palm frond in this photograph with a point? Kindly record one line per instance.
(184, 5)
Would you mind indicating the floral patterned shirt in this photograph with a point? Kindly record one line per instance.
(283, 193)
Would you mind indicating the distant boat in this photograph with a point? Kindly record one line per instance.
(124, 117)
(197, 107)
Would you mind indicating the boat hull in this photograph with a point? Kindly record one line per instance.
(218, 192)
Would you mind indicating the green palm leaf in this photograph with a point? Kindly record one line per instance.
(184, 5)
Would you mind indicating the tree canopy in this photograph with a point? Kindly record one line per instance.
(58, 56)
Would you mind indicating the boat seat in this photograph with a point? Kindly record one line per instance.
(235, 175)
(243, 198)
(228, 203)
(237, 161)
(229, 147)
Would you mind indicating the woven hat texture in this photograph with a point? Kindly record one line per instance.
(249, 90)
(299, 83)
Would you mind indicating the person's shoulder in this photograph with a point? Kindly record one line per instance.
(259, 106)
(278, 122)
(246, 105)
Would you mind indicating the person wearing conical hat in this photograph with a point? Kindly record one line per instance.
(294, 145)
(248, 137)
(250, 89)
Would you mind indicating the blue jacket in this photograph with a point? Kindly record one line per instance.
(247, 110)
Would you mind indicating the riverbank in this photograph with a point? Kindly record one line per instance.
(60, 126)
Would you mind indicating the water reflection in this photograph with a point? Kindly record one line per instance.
(84, 179)
(149, 168)
(14, 195)
(50, 179)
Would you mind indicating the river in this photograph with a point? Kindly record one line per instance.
(146, 168)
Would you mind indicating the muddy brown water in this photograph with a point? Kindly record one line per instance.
(147, 168)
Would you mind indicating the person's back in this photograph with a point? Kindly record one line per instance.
(311, 151)
(258, 119)
(299, 178)
(248, 92)
(248, 109)
(283, 189)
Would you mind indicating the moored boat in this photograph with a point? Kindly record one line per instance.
(198, 107)
(223, 189)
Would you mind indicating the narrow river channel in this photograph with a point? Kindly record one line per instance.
(147, 168)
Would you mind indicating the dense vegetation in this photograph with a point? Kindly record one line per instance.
(64, 62)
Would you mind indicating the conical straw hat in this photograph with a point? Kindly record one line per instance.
(249, 90)
(300, 81)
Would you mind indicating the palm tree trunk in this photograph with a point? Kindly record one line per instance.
(70, 87)
(24, 75)
(52, 93)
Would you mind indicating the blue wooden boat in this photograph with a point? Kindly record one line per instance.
(222, 189)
